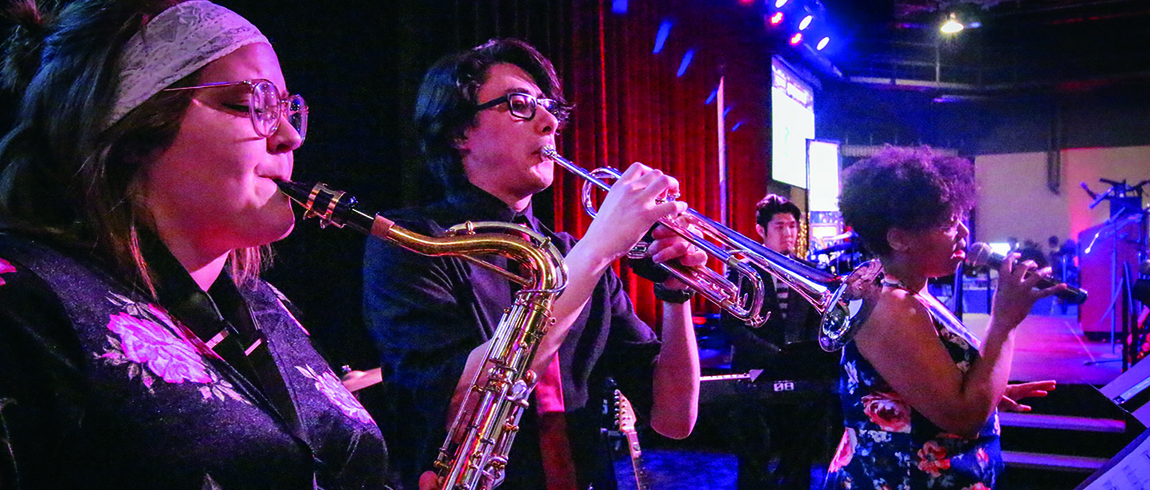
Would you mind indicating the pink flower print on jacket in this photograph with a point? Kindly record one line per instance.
(5, 268)
(336, 393)
(888, 410)
(166, 355)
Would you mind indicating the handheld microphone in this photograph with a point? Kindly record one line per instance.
(980, 254)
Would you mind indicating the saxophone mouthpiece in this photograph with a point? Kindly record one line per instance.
(296, 191)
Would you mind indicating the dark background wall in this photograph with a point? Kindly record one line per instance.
(1107, 115)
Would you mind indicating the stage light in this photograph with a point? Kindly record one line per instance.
(687, 57)
(952, 25)
(796, 39)
(661, 36)
(747, 2)
(779, 3)
(776, 19)
(823, 43)
(806, 22)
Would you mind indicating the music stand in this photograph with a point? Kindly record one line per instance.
(1125, 207)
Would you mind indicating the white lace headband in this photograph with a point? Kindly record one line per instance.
(173, 45)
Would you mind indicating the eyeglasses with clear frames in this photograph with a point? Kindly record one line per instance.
(523, 106)
(265, 107)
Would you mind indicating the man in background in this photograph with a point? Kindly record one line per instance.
(781, 435)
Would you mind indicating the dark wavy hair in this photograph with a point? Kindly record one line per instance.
(65, 175)
(773, 204)
(448, 96)
(905, 188)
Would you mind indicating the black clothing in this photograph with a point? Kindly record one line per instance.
(102, 387)
(778, 441)
(427, 313)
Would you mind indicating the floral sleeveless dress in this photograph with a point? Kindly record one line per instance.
(887, 445)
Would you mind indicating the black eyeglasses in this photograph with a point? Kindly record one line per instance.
(523, 106)
(265, 107)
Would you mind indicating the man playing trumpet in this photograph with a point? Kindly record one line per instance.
(483, 116)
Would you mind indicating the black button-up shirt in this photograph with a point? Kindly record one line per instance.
(427, 313)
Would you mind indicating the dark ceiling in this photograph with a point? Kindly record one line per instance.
(1063, 45)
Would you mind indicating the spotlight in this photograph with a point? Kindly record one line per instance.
(661, 35)
(776, 19)
(779, 3)
(796, 39)
(806, 22)
(952, 25)
(823, 43)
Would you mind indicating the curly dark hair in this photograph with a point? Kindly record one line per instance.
(905, 188)
(773, 204)
(448, 96)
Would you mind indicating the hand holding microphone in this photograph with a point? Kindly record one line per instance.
(980, 254)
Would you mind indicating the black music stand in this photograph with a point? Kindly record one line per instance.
(1125, 207)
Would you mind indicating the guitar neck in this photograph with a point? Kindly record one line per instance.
(636, 453)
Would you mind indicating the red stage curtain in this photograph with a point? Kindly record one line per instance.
(631, 105)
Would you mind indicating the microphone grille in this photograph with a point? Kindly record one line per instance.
(978, 254)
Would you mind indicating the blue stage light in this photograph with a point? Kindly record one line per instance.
(686, 62)
(661, 36)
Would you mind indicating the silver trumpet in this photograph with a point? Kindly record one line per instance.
(843, 301)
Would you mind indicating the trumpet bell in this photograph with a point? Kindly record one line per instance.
(850, 305)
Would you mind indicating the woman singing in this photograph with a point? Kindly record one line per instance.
(920, 393)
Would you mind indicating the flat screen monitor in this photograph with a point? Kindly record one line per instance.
(792, 124)
(823, 189)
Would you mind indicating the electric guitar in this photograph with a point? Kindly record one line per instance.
(625, 419)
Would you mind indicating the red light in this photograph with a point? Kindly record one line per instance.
(776, 19)
(797, 38)
(747, 2)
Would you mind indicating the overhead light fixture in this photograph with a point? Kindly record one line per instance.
(796, 39)
(779, 3)
(952, 25)
(776, 19)
(823, 43)
(806, 22)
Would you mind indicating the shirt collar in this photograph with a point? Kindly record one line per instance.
(478, 203)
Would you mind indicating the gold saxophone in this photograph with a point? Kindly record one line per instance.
(479, 439)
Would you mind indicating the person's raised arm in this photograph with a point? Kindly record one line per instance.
(901, 343)
(632, 206)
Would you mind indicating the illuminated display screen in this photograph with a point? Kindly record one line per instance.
(823, 193)
(792, 124)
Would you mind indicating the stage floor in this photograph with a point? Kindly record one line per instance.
(1054, 347)
(1047, 347)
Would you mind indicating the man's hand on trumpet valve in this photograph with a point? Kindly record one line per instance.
(669, 246)
(635, 202)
